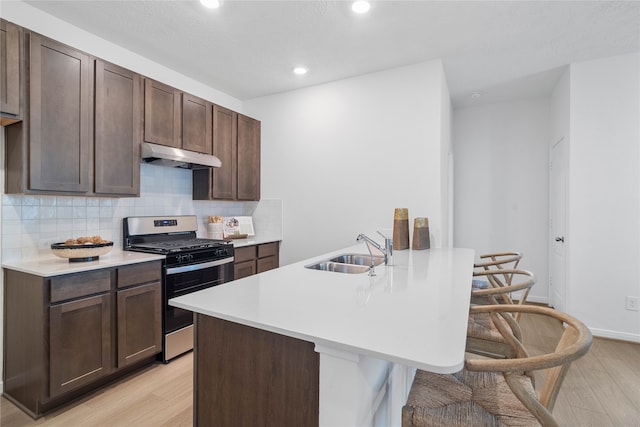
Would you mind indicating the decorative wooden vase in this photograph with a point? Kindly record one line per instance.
(421, 238)
(401, 229)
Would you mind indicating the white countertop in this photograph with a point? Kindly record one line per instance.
(52, 265)
(254, 240)
(55, 266)
(413, 313)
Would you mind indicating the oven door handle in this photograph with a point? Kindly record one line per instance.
(201, 266)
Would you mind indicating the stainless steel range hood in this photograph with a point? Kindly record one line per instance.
(175, 157)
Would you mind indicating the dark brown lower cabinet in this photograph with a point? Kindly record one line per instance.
(139, 317)
(80, 343)
(244, 264)
(250, 260)
(69, 334)
(256, 378)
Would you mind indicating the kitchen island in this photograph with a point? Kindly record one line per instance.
(309, 347)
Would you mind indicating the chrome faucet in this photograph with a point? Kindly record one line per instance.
(387, 251)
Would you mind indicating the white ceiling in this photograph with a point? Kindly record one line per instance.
(502, 49)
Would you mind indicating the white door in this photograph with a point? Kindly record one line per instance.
(557, 221)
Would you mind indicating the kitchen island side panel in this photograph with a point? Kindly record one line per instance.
(250, 377)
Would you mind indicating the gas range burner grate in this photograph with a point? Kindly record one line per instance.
(179, 245)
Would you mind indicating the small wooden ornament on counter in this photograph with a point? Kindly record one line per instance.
(421, 238)
(401, 229)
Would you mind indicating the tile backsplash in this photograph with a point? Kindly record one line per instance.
(31, 223)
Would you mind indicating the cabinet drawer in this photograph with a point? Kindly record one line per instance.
(244, 254)
(80, 284)
(136, 274)
(268, 249)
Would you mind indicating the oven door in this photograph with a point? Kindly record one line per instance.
(185, 279)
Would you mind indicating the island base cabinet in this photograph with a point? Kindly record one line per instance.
(249, 377)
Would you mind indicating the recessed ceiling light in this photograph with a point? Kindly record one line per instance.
(300, 70)
(211, 4)
(360, 6)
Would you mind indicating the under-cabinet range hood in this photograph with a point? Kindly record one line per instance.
(175, 157)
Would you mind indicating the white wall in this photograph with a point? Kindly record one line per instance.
(604, 188)
(343, 155)
(501, 182)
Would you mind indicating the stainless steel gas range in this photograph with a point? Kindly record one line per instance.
(191, 264)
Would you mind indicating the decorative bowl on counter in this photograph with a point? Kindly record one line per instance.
(81, 252)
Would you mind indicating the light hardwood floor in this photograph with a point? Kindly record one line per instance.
(159, 395)
(601, 389)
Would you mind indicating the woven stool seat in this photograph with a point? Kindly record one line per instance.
(466, 399)
(499, 392)
(481, 326)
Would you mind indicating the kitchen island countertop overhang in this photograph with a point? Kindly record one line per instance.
(413, 313)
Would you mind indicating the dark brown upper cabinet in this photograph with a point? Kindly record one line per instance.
(225, 124)
(118, 130)
(220, 183)
(162, 114)
(10, 73)
(196, 124)
(51, 150)
(248, 158)
(176, 119)
(236, 142)
(83, 129)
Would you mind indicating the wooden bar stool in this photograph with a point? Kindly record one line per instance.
(496, 261)
(482, 335)
(491, 392)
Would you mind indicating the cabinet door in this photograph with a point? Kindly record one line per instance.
(80, 342)
(9, 70)
(268, 257)
(266, 264)
(225, 123)
(162, 114)
(60, 112)
(248, 158)
(244, 269)
(220, 183)
(196, 124)
(118, 130)
(139, 323)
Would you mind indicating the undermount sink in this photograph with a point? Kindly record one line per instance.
(338, 267)
(358, 259)
(347, 263)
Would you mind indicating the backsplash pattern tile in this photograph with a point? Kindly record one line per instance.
(31, 223)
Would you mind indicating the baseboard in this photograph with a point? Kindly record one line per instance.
(614, 335)
(596, 332)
